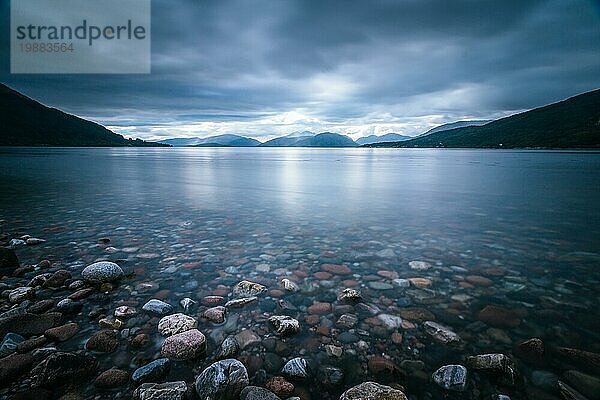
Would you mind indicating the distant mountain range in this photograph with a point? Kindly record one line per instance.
(25, 122)
(388, 137)
(228, 140)
(325, 139)
(571, 123)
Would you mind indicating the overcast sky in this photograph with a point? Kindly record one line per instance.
(266, 68)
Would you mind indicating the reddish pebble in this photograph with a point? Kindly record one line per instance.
(280, 386)
(336, 269)
(162, 294)
(319, 308)
(300, 274)
(323, 330)
(479, 280)
(397, 337)
(212, 300)
(322, 275)
(466, 285)
(312, 319)
(349, 283)
(388, 274)
(276, 293)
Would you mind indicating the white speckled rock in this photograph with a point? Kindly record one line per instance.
(184, 346)
(451, 377)
(103, 271)
(176, 323)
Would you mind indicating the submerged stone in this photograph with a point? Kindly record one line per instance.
(451, 377)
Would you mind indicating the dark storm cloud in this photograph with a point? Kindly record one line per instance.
(267, 67)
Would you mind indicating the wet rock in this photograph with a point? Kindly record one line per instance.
(289, 286)
(140, 340)
(246, 338)
(152, 372)
(349, 296)
(583, 359)
(63, 332)
(62, 368)
(531, 351)
(8, 261)
(568, 392)
(125, 312)
(238, 303)
(347, 337)
(336, 269)
(381, 365)
(112, 378)
(184, 346)
(494, 361)
(31, 344)
(215, 315)
(451, 377)
(58, 279)
(20, 294)
(257, 393)
(372, 391)
(284, 325)
(187, 304)
(499, 317)
(585, 384)
(103, 342)
(247, 289)
(479, 280)
(376, 285)
(103, 271)
(158, 307)
(27, 325)
(211, 301)
(222, 380)
(279, 386)
(176, 323)
(441, 333)
(421, 283)
(333, 351)
(347, 321)
(319, 308)
(81, 294)
(228, 348)
(161, 391)
(34, 241)
(330, 376)
(390, 321)
(69, 306)
(41, 306)
(419, 265)
(295, 368)
(9, 344)
(13, 366)
(109, 323)
(16, 243)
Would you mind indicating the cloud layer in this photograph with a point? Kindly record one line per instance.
(265, 68)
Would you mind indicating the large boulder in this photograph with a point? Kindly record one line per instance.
(372, 391)
(222, 380)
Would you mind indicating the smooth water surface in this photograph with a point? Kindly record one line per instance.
(194, 221)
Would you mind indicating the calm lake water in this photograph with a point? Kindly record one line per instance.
(519, 230)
